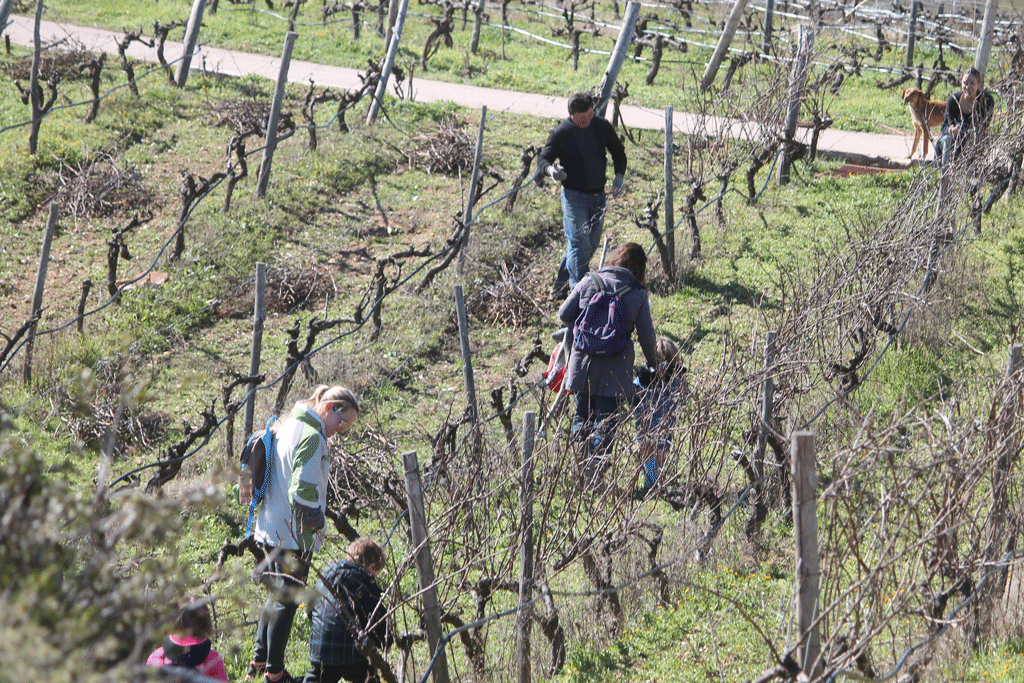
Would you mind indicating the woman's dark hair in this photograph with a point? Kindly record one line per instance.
(580, 102)
(632, 257)
(973, 71)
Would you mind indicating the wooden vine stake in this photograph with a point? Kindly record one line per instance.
(424, 565)
(808, 575)
(797, 79)
(195, 21)
(270, 144)
(258, 316)
(37, 294)
(525, 549)
(467, 372)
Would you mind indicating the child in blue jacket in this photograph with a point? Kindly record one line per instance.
(658, 392)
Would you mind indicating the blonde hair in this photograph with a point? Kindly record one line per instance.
(367, 553)
(335, 394)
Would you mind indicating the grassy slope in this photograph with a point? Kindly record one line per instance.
(321, 211)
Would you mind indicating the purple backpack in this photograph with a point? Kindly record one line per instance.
(601, 328)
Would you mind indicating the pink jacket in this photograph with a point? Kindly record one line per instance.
(212, 667)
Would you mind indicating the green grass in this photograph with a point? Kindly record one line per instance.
(705, 633)
(174, 350)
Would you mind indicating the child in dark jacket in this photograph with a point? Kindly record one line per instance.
(349, 609)
(658, 392)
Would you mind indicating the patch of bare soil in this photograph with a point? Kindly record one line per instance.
(848, 170)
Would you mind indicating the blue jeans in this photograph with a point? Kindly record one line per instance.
(594, 424)
(582, 222)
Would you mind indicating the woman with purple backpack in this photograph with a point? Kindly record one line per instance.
(600, 369)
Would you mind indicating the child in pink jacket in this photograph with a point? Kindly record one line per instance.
(189, 646)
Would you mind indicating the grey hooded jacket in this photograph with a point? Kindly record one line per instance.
(608, 375)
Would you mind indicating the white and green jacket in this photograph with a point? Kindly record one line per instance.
(299, 477)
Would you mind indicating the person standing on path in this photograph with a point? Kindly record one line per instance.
(576, 154)
(291, 520)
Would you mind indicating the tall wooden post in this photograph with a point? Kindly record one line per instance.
(985, 44)
(618, 55)
(467, 369)
(769, 18)
(767, 404)
(474, 183)
(797, 78)
(258, 315)
(805, 528)
(195, 21)
(670, 233)
(525, 548)
(5, 13)
(724, 41)
(389, 64)
(270, 142)
(911, 32)
(424, 564)
(37, 293)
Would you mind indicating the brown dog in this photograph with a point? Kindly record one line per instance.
(925, 114)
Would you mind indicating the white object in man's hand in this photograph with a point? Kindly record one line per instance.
(556, 172)
(618, 185)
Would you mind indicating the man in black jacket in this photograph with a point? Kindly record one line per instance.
(576, 155)
(349, 609)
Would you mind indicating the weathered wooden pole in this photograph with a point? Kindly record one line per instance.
(424, 564)
(797, 78)
(389, 63)
(37, 294)
(474, 182)
(270, 142)
(525, 548)
(670, 233)
(767, 404)
(985, 44)
(911, 31)
(618, 55)
(805, 528)
(769, 18)
(258, 316)
(195, 21)
(35, 94)
(467, 369)
(724, 41)
(5, 13)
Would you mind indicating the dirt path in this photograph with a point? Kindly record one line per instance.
(872, 149)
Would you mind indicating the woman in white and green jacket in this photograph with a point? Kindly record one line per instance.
(291, 520)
